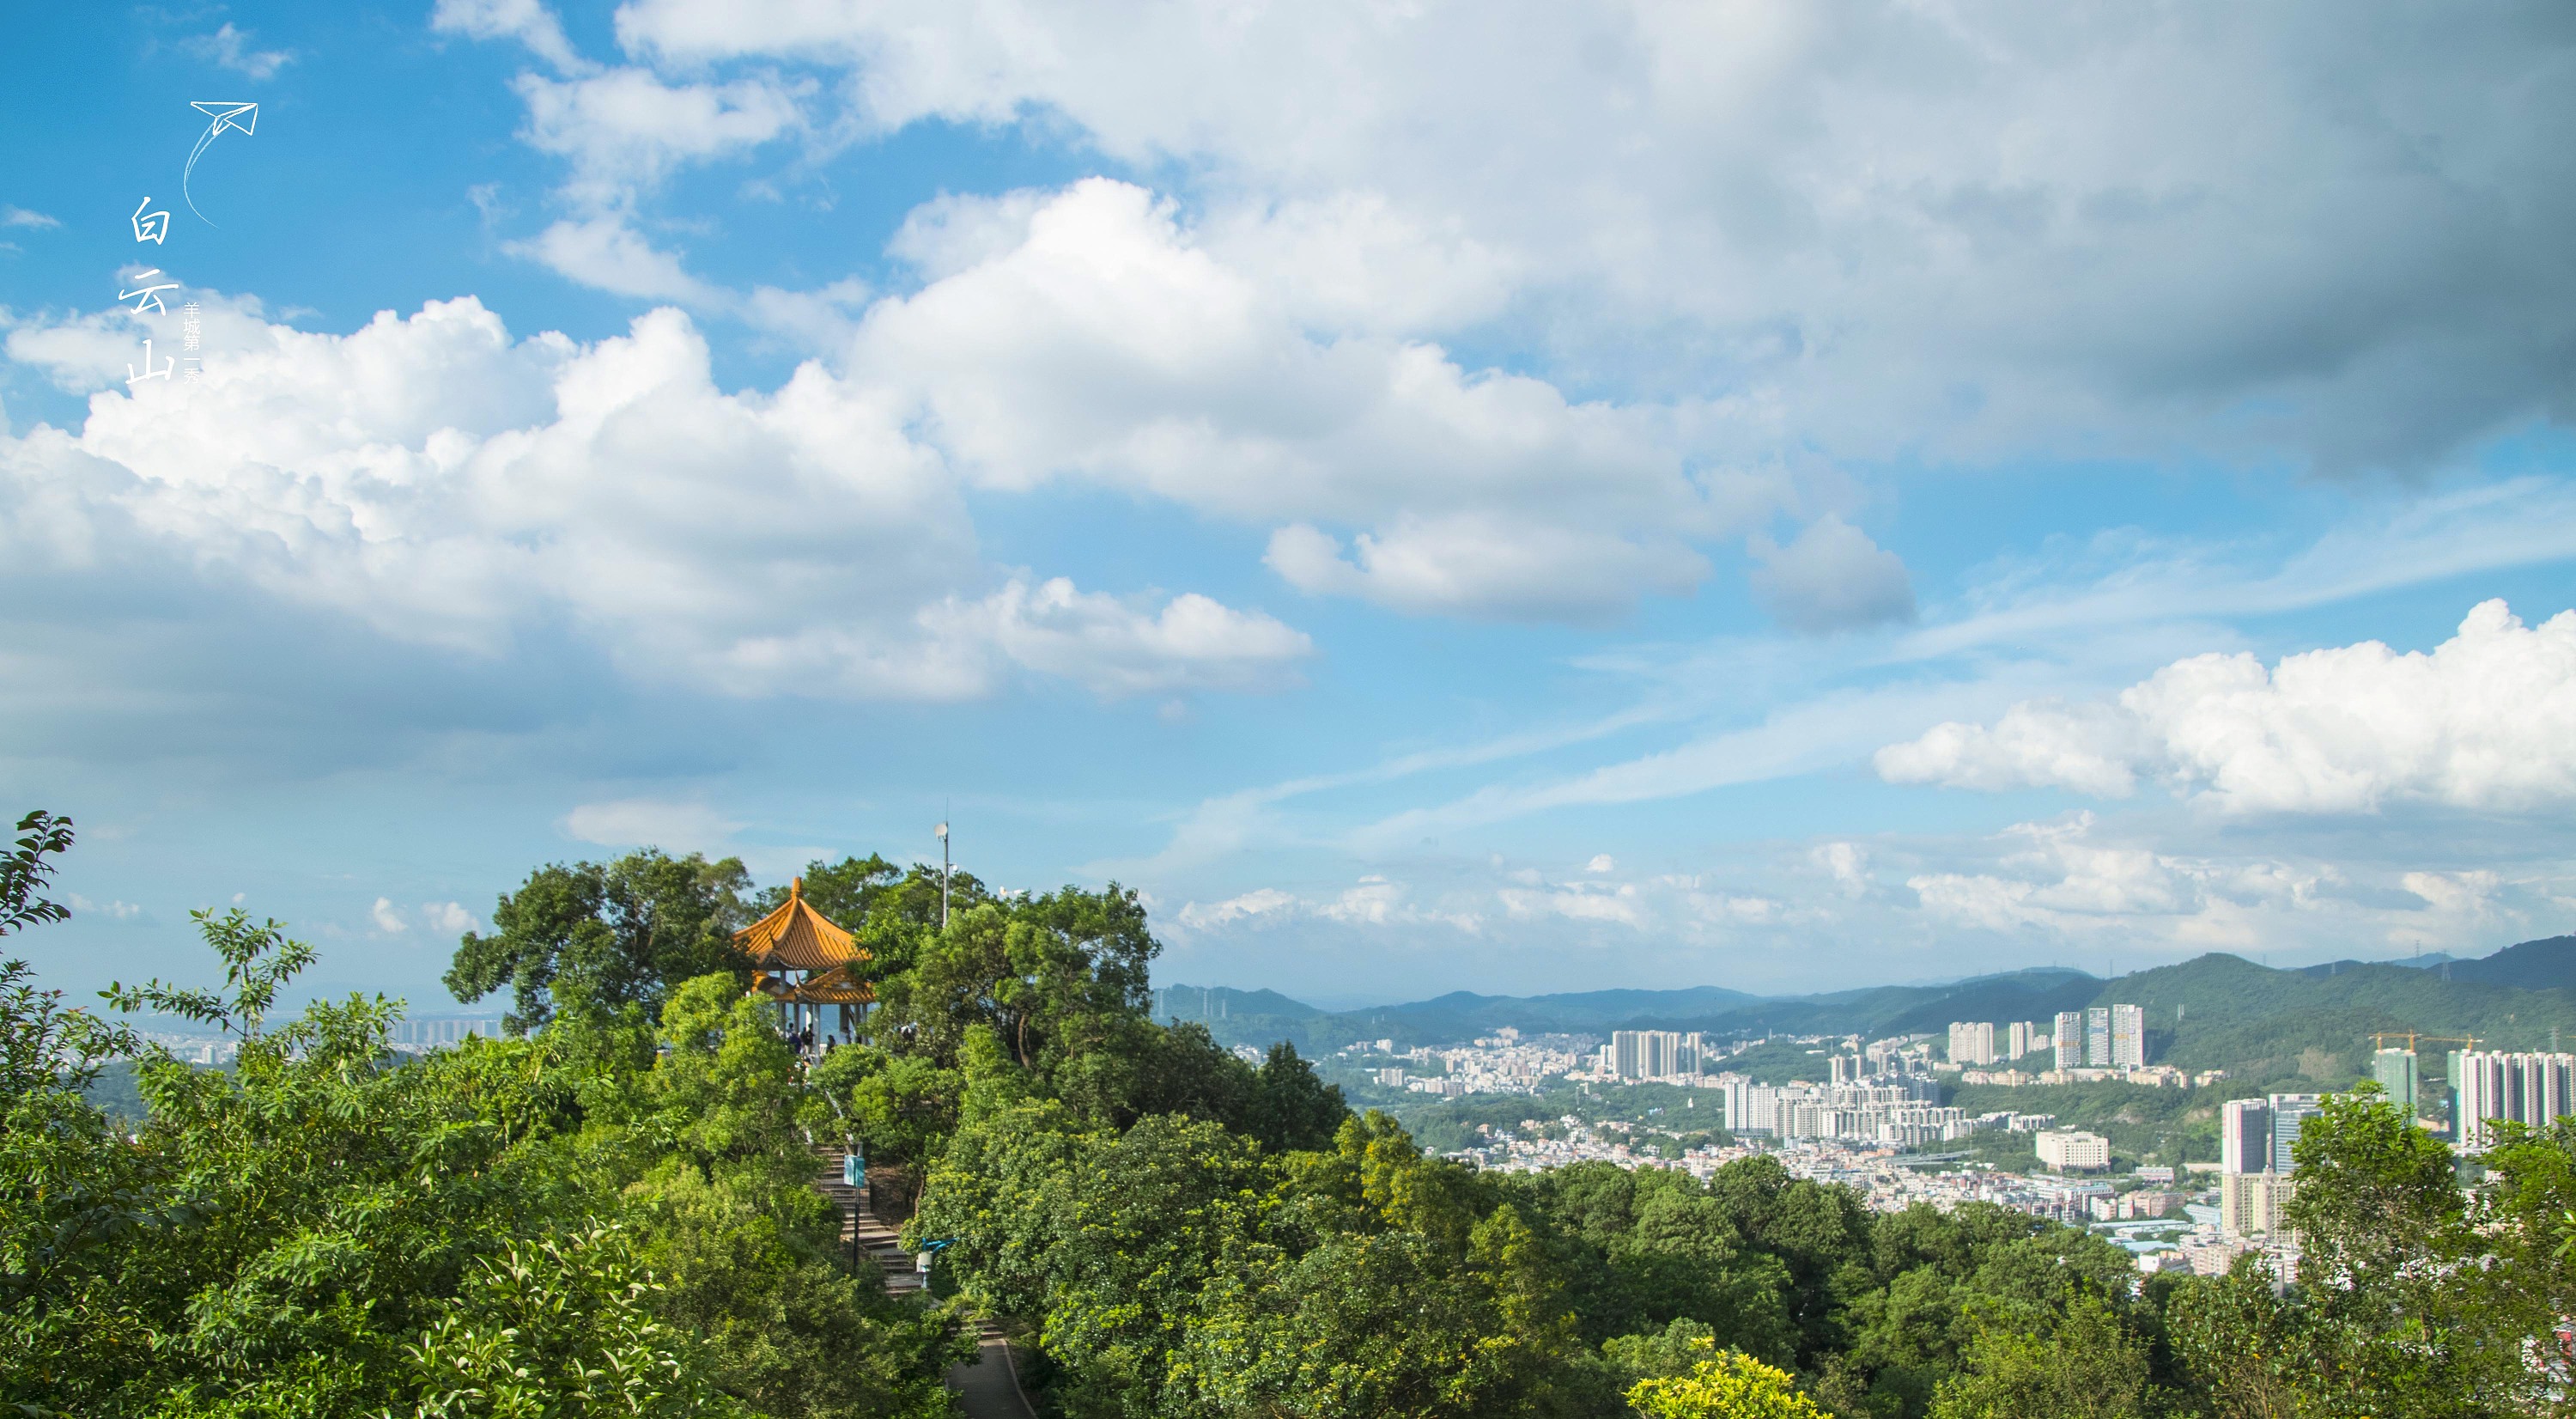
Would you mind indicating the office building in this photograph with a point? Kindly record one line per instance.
(2244, 1136)
(2097, 1037)
(2070, 1039)
(2395, 1071)
(2073, 1151)
(2128, 1037)
(2289, 1113)
(1972, 1042)
(2493, 1087)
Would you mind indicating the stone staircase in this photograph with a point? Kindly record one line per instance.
(876, 1241)
(989, 1388)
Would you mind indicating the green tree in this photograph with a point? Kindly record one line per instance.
(560, 1329)
(564, 1224)
(2084, 1364)
(1289, 1107)
(2245, 1350)
(2529, 1223)
(628, 931)
(1727, 1385)
(2396, 1325)
(722, 1088)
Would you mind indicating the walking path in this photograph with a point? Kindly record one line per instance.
(987, 1387)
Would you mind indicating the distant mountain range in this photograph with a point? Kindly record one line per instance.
(2215, 1011)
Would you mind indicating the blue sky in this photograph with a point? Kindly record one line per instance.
(1516, 498)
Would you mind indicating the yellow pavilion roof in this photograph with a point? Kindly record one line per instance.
(797, 938)
(837, 986)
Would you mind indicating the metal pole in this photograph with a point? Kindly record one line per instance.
(943, 876)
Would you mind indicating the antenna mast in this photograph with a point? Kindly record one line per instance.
(943, 876)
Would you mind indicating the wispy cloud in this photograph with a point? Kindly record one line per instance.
(21, 217)
(2025, 633)
(230, 48)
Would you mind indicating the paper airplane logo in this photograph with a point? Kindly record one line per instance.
(244, 116)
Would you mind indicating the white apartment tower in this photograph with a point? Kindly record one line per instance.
(2128, 1037)
(1972, 1042)
(2494, 1087)
(2097, 1037)
(2070, 1039)
(1652, 1054)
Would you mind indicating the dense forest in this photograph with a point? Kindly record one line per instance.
(610, 1212)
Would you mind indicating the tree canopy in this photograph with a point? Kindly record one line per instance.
(611, 1211)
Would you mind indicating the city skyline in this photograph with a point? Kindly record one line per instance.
(1672, 499)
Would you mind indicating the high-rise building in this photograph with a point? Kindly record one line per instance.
(2254, 1138)
(1645, 1054)
(2128, 1037)
(1972, 1042)
(2395, 1071)
(2290, 1112)
(2244, 1136)
(2070, 1039)
(2097, 1037)
(2017, 1040)
(2534, 1089)
(1740, 1104)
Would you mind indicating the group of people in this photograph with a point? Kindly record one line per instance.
(801, 1040)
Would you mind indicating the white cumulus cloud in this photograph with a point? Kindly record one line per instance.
(1967, 227)
(1090, 335)
(447, 484)
(2484, 721)
(449, 917)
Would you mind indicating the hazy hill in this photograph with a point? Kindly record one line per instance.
(2548, 964)
(2215, 1011)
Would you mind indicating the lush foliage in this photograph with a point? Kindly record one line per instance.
(1732, 1385)
(612, 1213)
(591, 1221)
(627, 932)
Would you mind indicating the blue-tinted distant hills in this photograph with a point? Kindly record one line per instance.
(2548, 964)
(2216, 1011)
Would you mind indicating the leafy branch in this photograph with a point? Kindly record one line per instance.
(258, 959)
(24, 869)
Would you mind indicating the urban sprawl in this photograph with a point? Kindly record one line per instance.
(1867, 1124)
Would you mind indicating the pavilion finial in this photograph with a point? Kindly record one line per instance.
(796, 888)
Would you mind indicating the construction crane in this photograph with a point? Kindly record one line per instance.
(2379, 1039)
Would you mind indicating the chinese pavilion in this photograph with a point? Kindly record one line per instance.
(802, 961)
